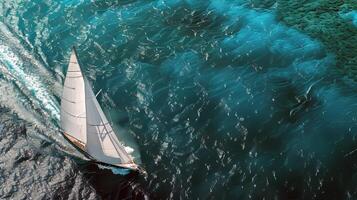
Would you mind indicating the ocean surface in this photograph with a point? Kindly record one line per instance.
(222, 99)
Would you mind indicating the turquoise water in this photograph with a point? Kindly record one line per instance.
(223, 99)
(351, 16)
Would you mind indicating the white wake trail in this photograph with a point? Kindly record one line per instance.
(29, 90)
(14, 68)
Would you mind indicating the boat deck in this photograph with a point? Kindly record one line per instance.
(76, 142)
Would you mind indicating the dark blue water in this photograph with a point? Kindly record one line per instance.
(223, 99)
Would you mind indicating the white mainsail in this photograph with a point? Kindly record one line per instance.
(84, 123)
(73, 108)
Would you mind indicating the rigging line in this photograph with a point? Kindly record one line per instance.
(110, 116)
(111, 121)
(116, 146)
(350, 153)
(72, 88)
(76, 116)
(74, 76)
(121, 148)
(62, 98)
(98, 124)
(104, 131)
(98, 93)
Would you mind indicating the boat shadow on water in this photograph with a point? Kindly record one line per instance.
(114, 186)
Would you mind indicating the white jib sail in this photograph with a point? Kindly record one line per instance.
(73, 109)
(102, 143)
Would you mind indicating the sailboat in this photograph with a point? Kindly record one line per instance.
(85, 125)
